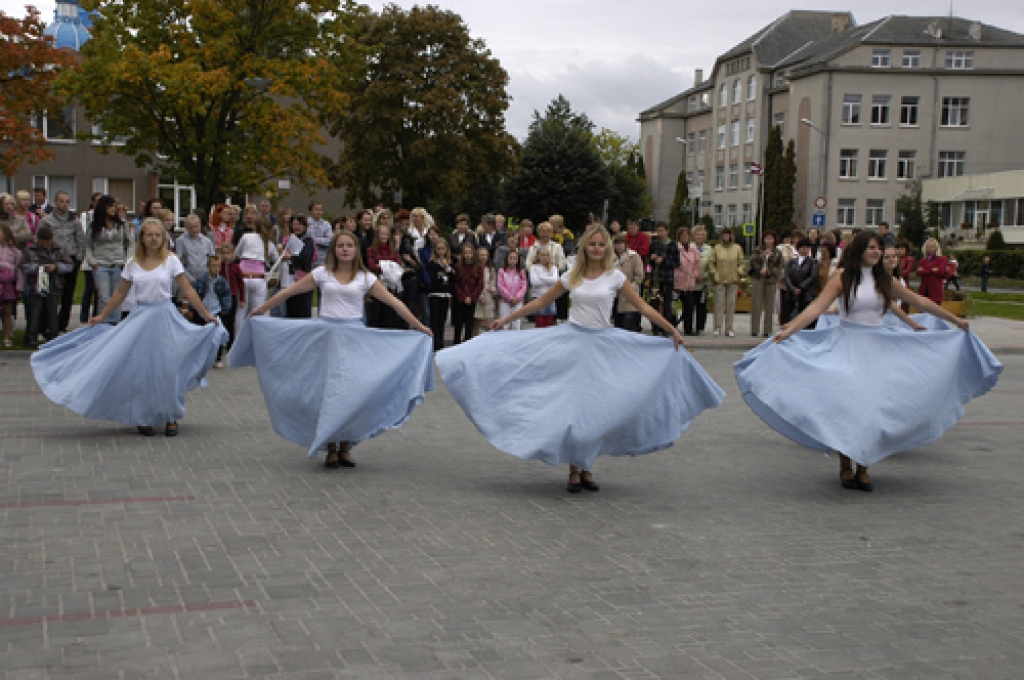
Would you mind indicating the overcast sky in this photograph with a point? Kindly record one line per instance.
(614, 58)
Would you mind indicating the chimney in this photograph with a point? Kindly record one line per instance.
(698, 76)
(935, 30)
(974, 30)
(840, 22)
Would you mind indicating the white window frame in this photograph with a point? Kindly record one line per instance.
(752, 87)
(44, 126)
(719, 178)
(702, 141)
(734, 133)
(751, 129)
(906, 164)
(723, 95)
(955, 112)
(690, 146)
(951, 164)
(721, 136)
(878, 159)
(51, 191)
(852, 104)
(97, 131)
(779, 121)
(718, 215)
(737, 91)
(960, 59)
(745, 213)
(911, 58)
(881, 58)
(881, 110)
(874, 212)
(734, 176)
(846, 212)
(848, 163)
(730, 215)
(910, 111)
(748, 176)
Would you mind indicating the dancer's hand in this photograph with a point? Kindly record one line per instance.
(256, 312)
(423, 329)
(677, 338)
(918, 327)
(784, 332)
(95, 320)
(214, 320)
(962, 323)
(497, 325)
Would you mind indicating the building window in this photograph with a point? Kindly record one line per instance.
(960, 59)
(718, 216)
(97, 133)
(846, 214)
(719, 177)
(705, 99)
(848, 163)
(851, 109)
(734, 176)
(779, 121)
(690, 146)
(121, 189)
(737, 91)
(751, 128)
(734, 131)
(702, 141)
(875, 213)
(952, 163)
(689, 178)
(700, 180)
(905, 165)
(880, 58)
(908, 111)
(748, 176)
(877, 159)
(55, 183)
(955, 111)
(732, 215)
(56, 126)
(911, 58)
(721, 136)
(692, 104)
(880, 109)
(752, 87)
(723, 95)
(745, 214)
(780, 79)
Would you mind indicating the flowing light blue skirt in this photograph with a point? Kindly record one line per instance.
(134, 373)
(866, 391)
(568, 394)
(334, 380)
(932, 323)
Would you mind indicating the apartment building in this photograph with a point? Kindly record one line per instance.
(871, 108)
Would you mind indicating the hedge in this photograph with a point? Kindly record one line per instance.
(1007, 264)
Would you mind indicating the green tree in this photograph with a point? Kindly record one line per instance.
(779, 182)
(561, 170)
(428, 117)
(627, 190)
(913, 225)
(680, 215)
(29, 64)
(996, 241)
(222, 94)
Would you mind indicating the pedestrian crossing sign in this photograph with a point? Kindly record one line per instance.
(750, 229)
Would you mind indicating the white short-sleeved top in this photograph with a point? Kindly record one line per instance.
(867, 304)
(153, 285)
(342, 301)
(592, 300)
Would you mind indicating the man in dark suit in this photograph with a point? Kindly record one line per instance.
(461, 236)
(802, 277)
(491, 238)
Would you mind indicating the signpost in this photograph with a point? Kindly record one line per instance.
(820, 203)
(758, 169)
(818, 219)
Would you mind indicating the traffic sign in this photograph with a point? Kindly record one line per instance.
(756, 169)
(749, 229)
(820, 203)
(818, 219)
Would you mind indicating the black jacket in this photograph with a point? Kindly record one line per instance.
(664, 272)
(803, 276)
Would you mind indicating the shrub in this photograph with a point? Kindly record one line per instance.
(996, 241)
(1005, 263)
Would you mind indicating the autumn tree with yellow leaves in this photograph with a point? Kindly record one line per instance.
(226, 95)
(29, 63)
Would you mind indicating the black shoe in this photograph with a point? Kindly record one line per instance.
(588, 484)
(848, 483)
(864, 482)
(574, 487)
(146, 430)
(171, 430)
(342, 462)
(332, 450)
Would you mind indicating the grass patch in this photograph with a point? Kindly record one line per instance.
(18, 338)
(999, 297)
(1002, 310)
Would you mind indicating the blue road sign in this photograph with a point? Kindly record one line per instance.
(818, 219)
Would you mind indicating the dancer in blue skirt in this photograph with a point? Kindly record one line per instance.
(331, 382)
(138, 371)
(868, 366)
(582, 389)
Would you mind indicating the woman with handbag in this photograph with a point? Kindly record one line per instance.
(764, 270)
(300, 306)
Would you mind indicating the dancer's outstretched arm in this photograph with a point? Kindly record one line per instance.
(306, 285)
(378, 291)
(924, 304)
(632, 297)
(831, 291)
(533, 307)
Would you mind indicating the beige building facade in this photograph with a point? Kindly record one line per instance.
(870, 108)
(970, 206)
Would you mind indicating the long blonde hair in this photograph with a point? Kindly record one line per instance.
(140, 246)
(583, 258)
(935, 242)
(331, 262)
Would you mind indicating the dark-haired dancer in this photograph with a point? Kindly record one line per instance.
(869, 369)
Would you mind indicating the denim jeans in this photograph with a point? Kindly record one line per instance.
(107, 280)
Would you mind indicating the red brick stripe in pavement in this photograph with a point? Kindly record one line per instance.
(98, 501)
(132, 611)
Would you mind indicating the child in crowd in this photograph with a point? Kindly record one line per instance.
(469, 284)
(543, 275)
(512, 284)
(232, 273)
(42, 268)
(215, 292)
(484, 313)
(442, 283)
(10, 279)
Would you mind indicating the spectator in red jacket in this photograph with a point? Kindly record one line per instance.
(469, 284)
(932, 270)
(638, 241)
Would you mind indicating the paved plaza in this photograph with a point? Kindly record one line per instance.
(225, 553)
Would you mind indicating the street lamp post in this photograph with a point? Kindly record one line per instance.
(824, 152)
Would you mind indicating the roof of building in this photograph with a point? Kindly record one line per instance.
(68, 29)
(789, 33)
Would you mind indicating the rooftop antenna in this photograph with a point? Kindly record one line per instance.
(949, 28)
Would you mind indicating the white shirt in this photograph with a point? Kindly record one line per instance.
(250, 247)
(592, 300)
(342, 301)
(541, 280)
(867, 303)
(153, 285)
